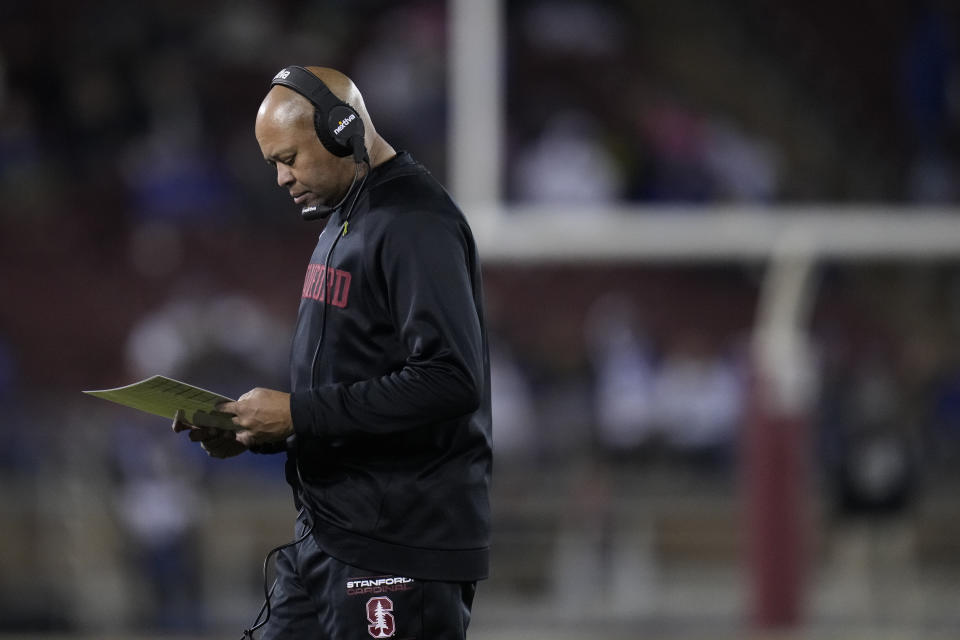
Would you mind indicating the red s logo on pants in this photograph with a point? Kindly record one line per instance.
(380, 617)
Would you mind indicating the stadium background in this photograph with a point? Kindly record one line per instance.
(140, 233)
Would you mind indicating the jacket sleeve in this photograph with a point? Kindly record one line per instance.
(424, 261)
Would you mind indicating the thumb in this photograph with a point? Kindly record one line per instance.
(227, 407)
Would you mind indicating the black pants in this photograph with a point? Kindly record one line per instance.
(320, 598)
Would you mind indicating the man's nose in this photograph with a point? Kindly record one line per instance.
(284, 176)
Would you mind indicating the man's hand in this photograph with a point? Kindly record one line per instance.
(219, 443)
(262, 414)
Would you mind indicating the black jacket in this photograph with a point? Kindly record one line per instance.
(390, 381)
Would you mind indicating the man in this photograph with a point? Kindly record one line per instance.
(387, 429)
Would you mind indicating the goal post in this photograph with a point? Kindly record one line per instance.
(791, 244)
(792, 241)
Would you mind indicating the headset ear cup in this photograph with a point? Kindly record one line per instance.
(327, 138)
(344, 124)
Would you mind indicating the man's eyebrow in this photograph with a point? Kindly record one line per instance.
(279, 154)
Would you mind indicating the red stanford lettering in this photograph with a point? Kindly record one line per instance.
(334, 290)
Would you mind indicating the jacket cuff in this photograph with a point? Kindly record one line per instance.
(268, 447)
(301, 413)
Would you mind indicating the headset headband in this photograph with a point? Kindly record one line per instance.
(307, 85)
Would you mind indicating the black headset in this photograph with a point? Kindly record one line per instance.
(338, 125)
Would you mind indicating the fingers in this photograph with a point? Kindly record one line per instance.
(201, 434)
(238, 408)
(232, 408)
(217, 447)
(245, 438)
(213, 452)
(196, 434)
(244, 411)
(209, 434)
(218, 443)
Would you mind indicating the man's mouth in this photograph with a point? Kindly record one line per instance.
(299, 199)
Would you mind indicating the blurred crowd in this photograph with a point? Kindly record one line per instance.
(734, 101)
(143, 112)
(141, 233)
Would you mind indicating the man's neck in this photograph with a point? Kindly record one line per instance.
(380, 152)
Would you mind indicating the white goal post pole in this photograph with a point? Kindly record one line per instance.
(476, 104)
(781, 348)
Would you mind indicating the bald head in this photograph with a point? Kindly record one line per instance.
(283, 107)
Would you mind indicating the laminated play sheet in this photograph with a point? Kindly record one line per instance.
(163, 396)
